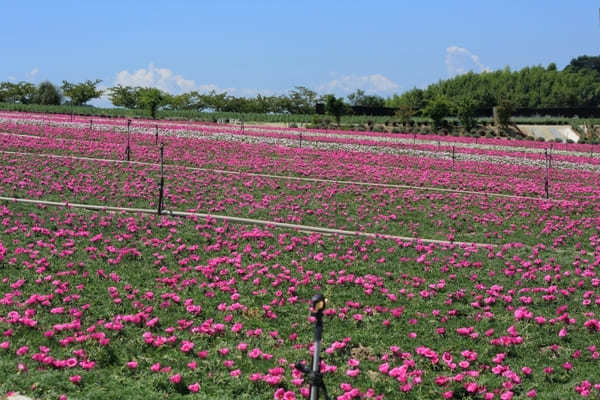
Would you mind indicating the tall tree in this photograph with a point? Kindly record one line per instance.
(438, 109)
(22, 92)
(359, 98)
(335, 106)
(302, 100)
(124, 96)
(151, 99)
(81, 93)
(47, 94)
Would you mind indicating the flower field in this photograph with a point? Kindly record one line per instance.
(456, 277)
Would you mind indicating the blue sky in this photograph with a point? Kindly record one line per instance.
(270, 46)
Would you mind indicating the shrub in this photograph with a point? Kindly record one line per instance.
(502, 113)
(47, 94)
(438, 109)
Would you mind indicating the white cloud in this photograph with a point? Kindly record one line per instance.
(33, 73)
(165, 79)
(12, 78)
(374, 83)
(161, 78)
(460, 61)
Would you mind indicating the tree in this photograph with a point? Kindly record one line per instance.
(502, 113)
(591, 63)
(22, 92)
(47, 94)
(465, 112)
(150, 99)
(302, 100)
(81, 93)
(335, 106)
(359, 98)
(124, 96)
(438, 109)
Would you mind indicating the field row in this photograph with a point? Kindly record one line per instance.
(98, 302)
(402, 212)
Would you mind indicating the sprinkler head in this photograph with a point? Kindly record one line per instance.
(317, 303)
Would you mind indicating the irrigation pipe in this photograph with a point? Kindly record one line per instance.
(291, 178)
(246, 221)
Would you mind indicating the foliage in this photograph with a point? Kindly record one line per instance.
(47, 94)
(465, 112)
(359, 98)
(20, 93)
(123, 96)
(405, 113)
(584, 63)
(503, 113)
(578, 85)
(81, 93)
(335, 106)
(150, 99)
(302, 100)
(412, 99)
(438, 109)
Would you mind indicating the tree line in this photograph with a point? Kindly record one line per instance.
(577, 85)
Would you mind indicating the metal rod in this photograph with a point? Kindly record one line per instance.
(547, 178)
(162, 181)
(156, 134)
(128, 149)
(317, 305)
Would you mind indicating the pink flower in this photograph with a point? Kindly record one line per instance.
(254, 353)
(155, 367)
(532, 393)
(175, 378)
(235, 373)
(194, 387)
(4, 345)
(562, 332)
(384, 368)
(132, 364)
(353, 372)
(75, 378)
(22, 350)
(471, 387)
(353, 362)
(224, 351)
(202, 354)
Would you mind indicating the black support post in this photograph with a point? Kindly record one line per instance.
(161, 185)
